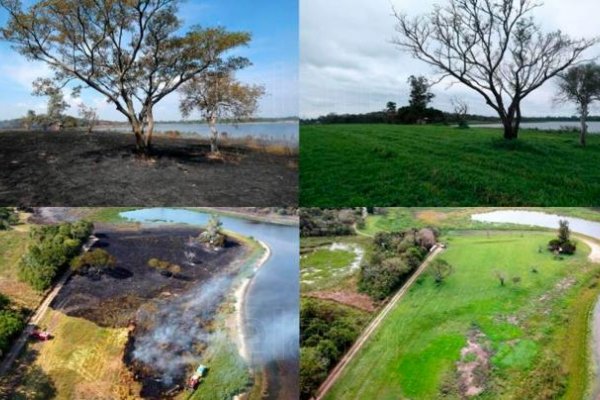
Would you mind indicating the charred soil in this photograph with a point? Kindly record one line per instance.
(102, 169)
(169, 315)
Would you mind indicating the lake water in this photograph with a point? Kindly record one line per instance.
(593, 127)
(276, 132)
(272, 302)
(535, 218)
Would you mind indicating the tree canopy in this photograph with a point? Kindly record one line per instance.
(129, 51)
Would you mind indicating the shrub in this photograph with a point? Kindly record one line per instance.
(96, 260)
(213, 234)
(563, 244)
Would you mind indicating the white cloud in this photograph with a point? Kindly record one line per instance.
(347, 63)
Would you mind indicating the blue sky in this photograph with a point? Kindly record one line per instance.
(273, 52)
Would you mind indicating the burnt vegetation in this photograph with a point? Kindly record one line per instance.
(164, 286)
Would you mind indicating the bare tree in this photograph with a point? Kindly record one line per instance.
(581, 85)
(129, 51)
(219, 95)
(461, 110)
(89, 115)
(493, 47)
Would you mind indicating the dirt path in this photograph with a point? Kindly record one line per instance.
(35, 319)
(337, 371)
(594, 255)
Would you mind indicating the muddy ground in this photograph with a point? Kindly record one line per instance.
(101, 169)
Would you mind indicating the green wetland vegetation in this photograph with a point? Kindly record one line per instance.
(505, 319)
(432, 165)
(521, 345)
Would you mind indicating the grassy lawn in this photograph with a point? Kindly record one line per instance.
(400, 165)
(13, 244)
(83, 360)
(534, 329)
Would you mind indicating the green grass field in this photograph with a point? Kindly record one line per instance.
(536, 329)
(13, 244)
(397, 165)
(452, 218)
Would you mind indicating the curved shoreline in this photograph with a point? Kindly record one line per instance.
(240, 294)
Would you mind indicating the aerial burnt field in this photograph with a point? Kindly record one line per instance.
(169, 315)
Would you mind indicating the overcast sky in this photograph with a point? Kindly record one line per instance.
(348, 64)
(273, 52)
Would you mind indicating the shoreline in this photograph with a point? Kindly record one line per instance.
(240, 294)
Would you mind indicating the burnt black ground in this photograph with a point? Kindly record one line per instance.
(101, 169)
(113, 299)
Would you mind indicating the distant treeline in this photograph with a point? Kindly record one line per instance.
(433, 115)
(73, 122)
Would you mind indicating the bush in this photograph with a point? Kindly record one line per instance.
(11, 324)
(8, 217)
(327, 330)
(563, 244)
(165, 267)
(96, 261)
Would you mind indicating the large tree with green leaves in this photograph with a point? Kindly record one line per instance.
(129, 51)
(493, 47)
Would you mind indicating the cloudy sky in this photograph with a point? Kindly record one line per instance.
(348, 64)
(273, 51)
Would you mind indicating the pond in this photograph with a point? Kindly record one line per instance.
(272, 301)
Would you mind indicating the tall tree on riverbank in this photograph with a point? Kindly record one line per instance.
(492, 47)
(129, 51)
(219, 95)
(580, 85)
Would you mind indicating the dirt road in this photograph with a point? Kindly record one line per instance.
(35, 319)
(337, 371)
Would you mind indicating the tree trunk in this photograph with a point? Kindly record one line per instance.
(212, 122)
(511, 131)
(583, 133)
(149, 130)
(139, 138)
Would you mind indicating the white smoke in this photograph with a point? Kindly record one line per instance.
(176, 328)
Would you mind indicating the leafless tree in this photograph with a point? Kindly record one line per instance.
(461, 110)
(129, 51)
(89, 115)
(493, 47)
